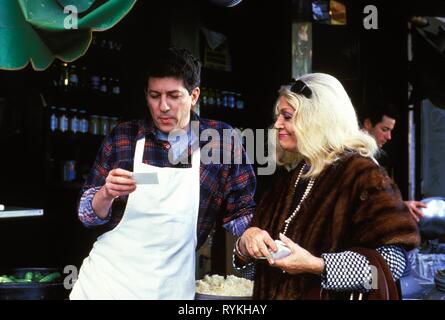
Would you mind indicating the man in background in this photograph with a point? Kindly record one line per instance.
(380, 122)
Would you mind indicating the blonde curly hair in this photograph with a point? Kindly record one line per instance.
(325, 125)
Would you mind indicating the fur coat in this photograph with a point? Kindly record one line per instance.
(353, 203)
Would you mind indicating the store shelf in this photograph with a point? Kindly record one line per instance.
(17, 212)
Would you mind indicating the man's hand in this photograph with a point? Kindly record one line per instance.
(414, 209)
(119, 182)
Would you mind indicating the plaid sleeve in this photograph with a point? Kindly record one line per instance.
(239, 193)
(238, 225)
(351, 271)
(95, 181)
(86, 213)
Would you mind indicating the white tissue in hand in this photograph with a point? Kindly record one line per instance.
(283, 250)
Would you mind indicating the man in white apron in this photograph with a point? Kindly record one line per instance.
(150, 254)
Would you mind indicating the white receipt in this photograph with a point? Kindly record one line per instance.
(146, 178)
(283, 250)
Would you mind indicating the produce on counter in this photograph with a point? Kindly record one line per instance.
(229, 286)
(30, 277)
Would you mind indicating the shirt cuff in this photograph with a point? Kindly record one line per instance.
(86, 213)
(238, 225)
(346, 271)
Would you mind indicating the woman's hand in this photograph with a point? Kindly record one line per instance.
(299, 261)
(256, 243)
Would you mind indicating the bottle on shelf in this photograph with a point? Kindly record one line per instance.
(95, 82)
(211, 98)
(239, 101)
(225, 99)
(94, 125)
(116, 89)
(218, 98)
(204, 97)
(63, 120)
(54, 121)
(83, 121)
(103, 85)
(113, 122)
(104, 125)
(74, 121)
(73, 77)
(231, 97)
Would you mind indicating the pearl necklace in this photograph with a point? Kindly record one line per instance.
(305, 194)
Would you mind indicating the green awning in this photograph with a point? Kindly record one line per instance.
(36, 30)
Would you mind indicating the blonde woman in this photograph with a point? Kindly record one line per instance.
(331, 196)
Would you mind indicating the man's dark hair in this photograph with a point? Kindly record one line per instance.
(176, 63)
(376, 111)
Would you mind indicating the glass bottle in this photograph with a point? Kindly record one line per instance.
(54, 121)
(83, 121)
(239, 101)
(116, 86)
(63, 120)
(74, 121)
(231, 100)
(113, 122)
(94, 124)
(95, 82)
(204, 98)
(104, 125)
(103, 85)
(218, 98)
(211, 98)
(73, 78)
(225, 99)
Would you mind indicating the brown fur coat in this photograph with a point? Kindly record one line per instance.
(353, 203)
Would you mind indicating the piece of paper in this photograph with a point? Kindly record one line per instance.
(146, 178)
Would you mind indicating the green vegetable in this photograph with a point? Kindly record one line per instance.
(22, 280)
(37, 276)
(5, 279)
(50, 277)
(28, 276)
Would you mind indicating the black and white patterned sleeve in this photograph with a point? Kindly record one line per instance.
(351, 271)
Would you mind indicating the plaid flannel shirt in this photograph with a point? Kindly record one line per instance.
(226, 190)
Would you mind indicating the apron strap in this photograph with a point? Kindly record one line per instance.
(140, 147)
(139, 153)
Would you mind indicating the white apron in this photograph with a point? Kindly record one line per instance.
(150, 254)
